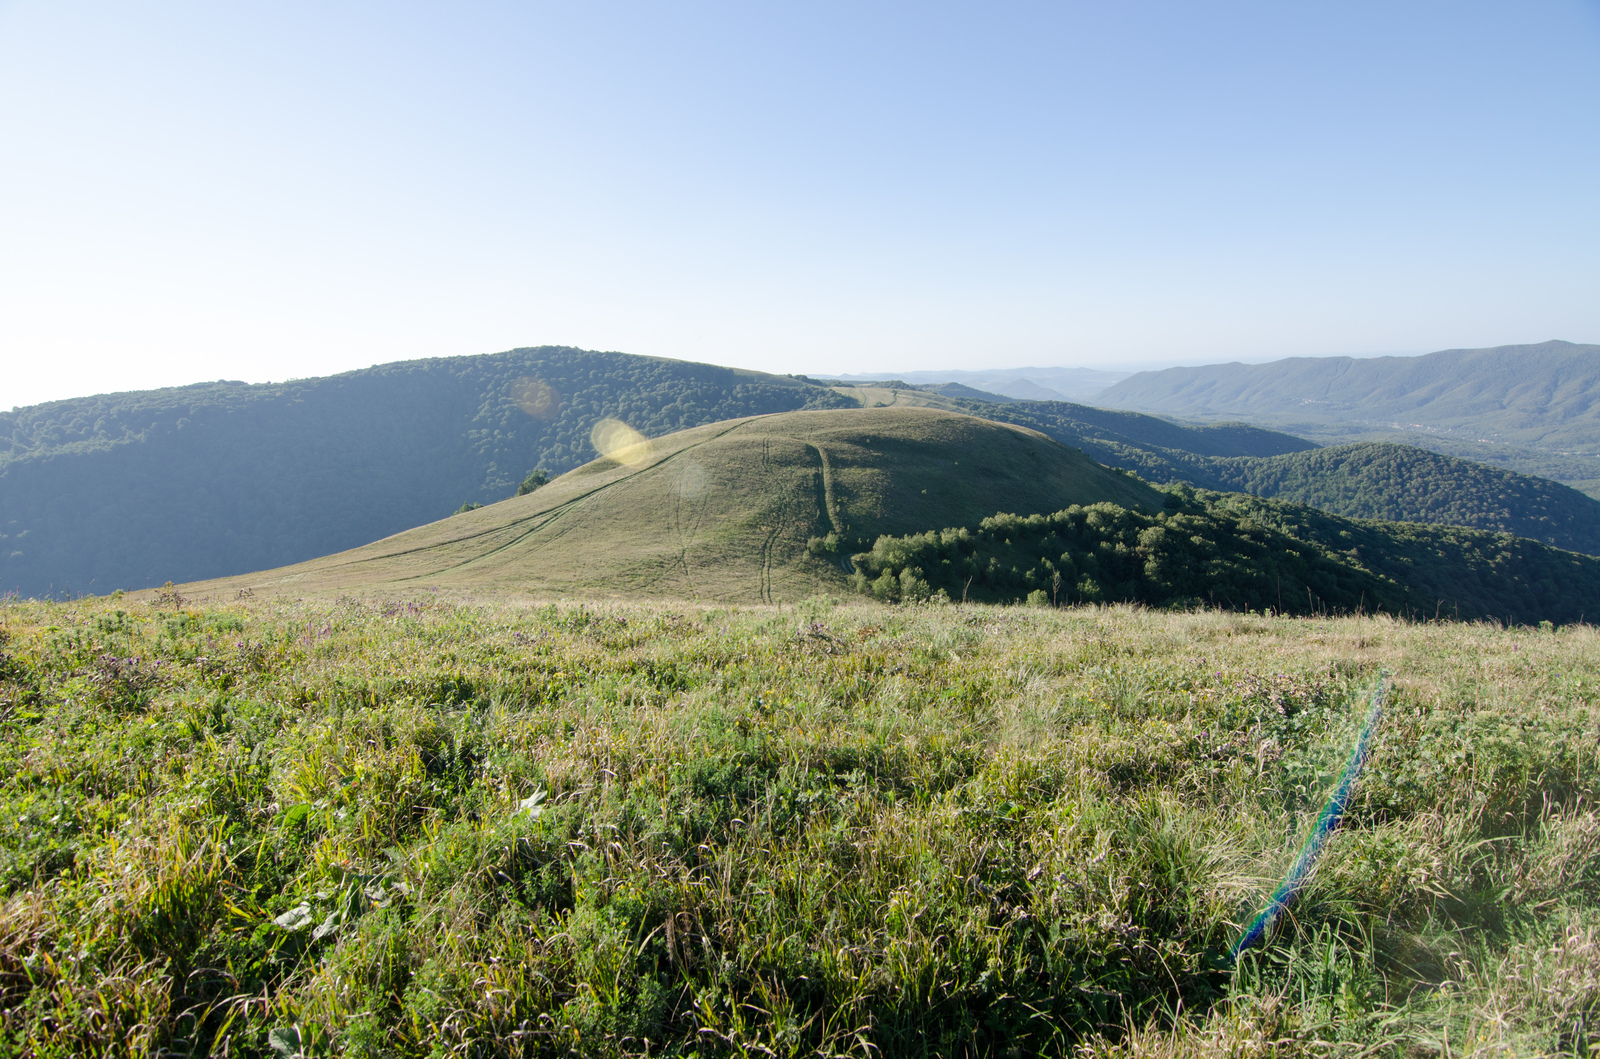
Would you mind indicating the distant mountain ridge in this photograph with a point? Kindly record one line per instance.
(1023, 384)
(1536, 389)
(1534, 408)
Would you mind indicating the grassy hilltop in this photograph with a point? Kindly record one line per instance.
(132, 489)
(906, 502)
(409, 828)
(727, 511)
(217, 479)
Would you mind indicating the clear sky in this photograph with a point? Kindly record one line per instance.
(261, 191)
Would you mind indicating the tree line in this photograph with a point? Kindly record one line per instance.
(1235, 552)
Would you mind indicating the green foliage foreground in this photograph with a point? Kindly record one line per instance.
(419, 828)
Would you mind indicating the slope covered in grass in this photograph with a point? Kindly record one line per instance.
(411, 829)
(751, 509)
(133, 489)
(1237, 552)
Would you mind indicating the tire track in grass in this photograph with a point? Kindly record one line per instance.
(546, 518)
(830, 502)
(687, 534)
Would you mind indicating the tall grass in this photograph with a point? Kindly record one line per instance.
(428, 828)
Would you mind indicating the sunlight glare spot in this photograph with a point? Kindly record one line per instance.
(619, 441)
(536, 397)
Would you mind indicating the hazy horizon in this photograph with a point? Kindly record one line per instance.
(907, 374)
(266, 191)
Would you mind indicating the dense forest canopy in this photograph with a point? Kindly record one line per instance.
(1236, 552)
(133, 489)
(1399, 483)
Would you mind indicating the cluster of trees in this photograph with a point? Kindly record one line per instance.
(1235, 552)
(131, 490)
(537, 478)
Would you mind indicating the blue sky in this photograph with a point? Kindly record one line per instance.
(264, 191)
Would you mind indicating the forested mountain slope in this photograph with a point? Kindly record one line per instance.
(1399, 483)
(133, 489)
(1532, 408)
(1541, 393)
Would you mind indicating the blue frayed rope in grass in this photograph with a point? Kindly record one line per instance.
(1321, 831)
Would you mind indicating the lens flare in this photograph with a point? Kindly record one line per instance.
(692, 481)
(619, 441)
(536, 397)
(1321, 831)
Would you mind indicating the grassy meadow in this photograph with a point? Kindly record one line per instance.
(446, 827)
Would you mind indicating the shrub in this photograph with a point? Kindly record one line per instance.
(535, 480)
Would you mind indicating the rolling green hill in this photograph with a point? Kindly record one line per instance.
(773, 507)
(1533, 408)
(133, 489)
(753, 509)
(130, 490)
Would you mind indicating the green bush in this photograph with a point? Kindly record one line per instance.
(535, 480)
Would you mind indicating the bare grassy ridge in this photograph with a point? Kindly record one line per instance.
(435, 827)
(725, 512)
